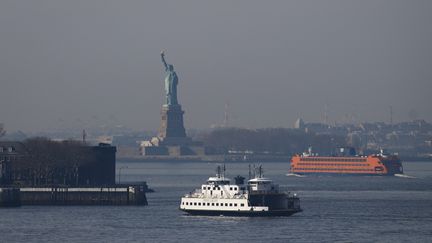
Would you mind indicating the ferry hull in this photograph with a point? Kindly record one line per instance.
(339, 174)
(271, 213)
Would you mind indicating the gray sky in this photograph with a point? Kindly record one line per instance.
(72, 64)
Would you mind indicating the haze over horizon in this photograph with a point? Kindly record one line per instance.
(77, 64)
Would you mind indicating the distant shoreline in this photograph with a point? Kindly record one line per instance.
(224, 159)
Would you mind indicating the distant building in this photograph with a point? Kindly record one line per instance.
(11, 153)
(54, 163)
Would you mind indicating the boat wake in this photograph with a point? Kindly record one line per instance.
(405, 176)
(294, 174)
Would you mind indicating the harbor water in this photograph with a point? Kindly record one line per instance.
(336, 209)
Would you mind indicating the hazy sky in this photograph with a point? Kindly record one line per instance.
(74, 64)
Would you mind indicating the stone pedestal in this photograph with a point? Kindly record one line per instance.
(172, 122)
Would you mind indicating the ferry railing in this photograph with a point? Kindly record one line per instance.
(264, 192)
(195, 193)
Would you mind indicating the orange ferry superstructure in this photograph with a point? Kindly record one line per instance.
(377, 164)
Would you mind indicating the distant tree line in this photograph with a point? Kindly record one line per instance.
(2, 131)
(270, 140)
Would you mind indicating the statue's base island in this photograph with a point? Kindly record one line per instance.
(171, 139)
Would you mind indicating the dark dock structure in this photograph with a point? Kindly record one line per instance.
(45, 172)
(10, 197)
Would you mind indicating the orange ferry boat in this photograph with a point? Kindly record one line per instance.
(376, 164)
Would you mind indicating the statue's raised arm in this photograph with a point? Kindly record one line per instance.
(163, 60)
(171, 81)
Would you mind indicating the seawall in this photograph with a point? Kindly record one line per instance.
(121, 195)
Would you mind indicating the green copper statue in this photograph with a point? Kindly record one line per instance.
(171, 81)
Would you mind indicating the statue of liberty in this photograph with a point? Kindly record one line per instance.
(171, 81)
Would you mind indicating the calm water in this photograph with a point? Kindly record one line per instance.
(336, 209)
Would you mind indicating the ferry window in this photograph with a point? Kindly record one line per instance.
(199, 204)
(235, 204)
(242, 205)
(230, 188)
(226, 204)
(230, 204)
(208, 204)
(235, 188)
(208, 188)
(212, 204)
(195, 203)
(217, 204)
(182, 203)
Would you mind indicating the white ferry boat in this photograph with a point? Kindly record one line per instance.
(260, 197)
